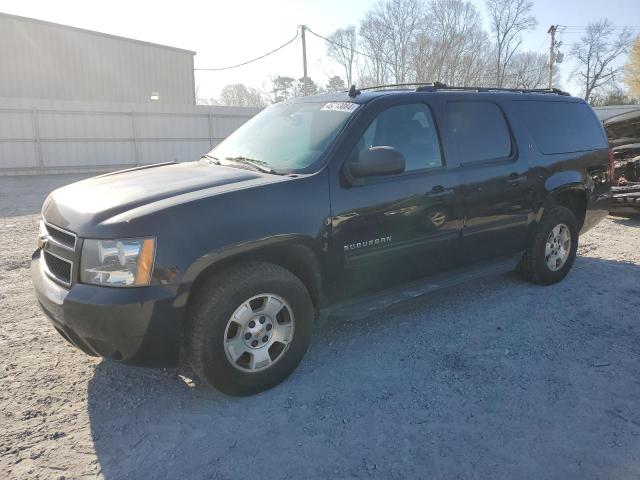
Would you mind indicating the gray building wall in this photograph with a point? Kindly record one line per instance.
(49, 61)
(53, 136)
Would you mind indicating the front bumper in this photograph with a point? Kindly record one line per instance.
(140, 325)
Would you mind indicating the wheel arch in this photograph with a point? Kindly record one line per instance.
(572, 196)
(300, 255)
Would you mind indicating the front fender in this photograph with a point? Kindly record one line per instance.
(243, 248)
(257, 249)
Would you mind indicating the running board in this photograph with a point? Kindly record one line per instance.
(363, 306)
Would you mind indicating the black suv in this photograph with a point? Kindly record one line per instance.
(227, 262)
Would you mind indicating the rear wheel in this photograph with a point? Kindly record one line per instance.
(552, 250)
(249, 328)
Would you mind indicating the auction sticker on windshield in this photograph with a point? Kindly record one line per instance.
(347, 107)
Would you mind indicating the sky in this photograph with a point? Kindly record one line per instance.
(230, 32)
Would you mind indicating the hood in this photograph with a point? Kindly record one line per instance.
(88, 202)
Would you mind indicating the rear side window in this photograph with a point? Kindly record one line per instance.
(479, 131)
(562, 127)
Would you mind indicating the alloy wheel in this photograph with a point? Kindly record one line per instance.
(558, 247)
(259, 332)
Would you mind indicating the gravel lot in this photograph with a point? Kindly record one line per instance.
(499, 379)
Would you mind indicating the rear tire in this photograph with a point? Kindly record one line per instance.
(552, 249)
(249, 327)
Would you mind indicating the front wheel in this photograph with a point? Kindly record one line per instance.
(249, 328)
(552, 250)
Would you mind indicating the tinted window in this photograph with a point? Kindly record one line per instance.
(479, 131)
(562, 127)
(409, 129)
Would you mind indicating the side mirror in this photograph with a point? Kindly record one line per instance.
(378, 161)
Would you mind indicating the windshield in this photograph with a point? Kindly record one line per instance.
(286, 137)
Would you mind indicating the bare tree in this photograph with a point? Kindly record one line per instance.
(596, 54)
(508, 19)
(365, 78)
(239, 95)
(282, 88)
(393, 25)
(476, 70)
(336, 84)
(528, 70)
(451, 46)
(612, 95)
(341, 48)
(305, 86)
(402, 20)
(373, 68)
(632, 69)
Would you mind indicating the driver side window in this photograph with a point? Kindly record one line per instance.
(410, 129)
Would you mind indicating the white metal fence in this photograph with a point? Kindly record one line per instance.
(39, 136)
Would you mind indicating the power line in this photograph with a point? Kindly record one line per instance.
(252, 60)
(543, 45)
(347, 48)
(585, 26)
(580, 30)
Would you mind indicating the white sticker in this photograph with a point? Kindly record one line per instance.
(347, 107)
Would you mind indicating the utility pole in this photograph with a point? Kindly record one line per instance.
(303, 28)
(552, 55)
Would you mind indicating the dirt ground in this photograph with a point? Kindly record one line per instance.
(500, 379)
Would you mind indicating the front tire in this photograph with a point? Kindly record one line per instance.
(249, 327)
(552, 250)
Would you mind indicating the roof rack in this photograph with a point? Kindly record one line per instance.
(420, 85)
(436, 86)
(555, 91)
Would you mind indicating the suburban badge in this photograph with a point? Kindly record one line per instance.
(367, 243)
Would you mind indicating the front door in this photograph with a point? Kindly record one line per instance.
(389, 229)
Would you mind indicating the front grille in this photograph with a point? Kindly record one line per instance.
(66, 239)
(59, 268)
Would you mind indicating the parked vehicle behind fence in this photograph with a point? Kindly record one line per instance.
(227, 262)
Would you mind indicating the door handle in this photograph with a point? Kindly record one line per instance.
(516, 179)
(440, 192)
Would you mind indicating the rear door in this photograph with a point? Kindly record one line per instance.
(497, 189)
(387, 229)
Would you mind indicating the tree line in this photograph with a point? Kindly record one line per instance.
(405, 41)
(281, 88)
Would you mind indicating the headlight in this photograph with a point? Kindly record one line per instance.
(117, 263)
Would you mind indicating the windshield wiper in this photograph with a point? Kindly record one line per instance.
(257, 164)
(211, 158)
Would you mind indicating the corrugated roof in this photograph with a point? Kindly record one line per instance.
(92, 32)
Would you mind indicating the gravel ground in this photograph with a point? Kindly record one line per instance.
(500, 379)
